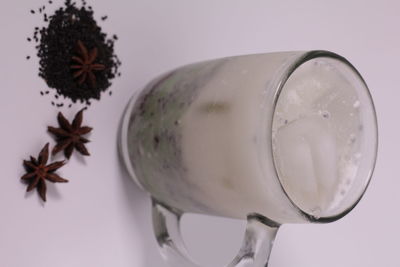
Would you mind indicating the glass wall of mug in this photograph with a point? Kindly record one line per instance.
(291, 136)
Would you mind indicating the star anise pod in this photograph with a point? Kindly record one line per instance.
(85, 65)
(37, 172)
(69, 135)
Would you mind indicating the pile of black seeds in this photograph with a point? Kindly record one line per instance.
(57, 44)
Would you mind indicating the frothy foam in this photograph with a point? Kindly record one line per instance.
(316, 133)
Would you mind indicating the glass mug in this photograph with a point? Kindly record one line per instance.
(287, 137)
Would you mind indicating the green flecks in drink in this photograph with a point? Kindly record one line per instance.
(215, 107)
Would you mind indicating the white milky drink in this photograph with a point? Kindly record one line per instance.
(279, 134)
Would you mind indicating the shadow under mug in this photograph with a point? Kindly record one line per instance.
(287, 137)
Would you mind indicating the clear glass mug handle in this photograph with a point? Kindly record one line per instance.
(256, 247)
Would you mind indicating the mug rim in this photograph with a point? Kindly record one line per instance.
(305, 57)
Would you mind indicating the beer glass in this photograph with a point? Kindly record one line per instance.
(286, 137)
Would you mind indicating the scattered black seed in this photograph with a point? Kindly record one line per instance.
(28, 57)
(47, 92)
(56, 96)
(50, 2)
(115, 37)
(110, 93)
(29, 39)
(32, 11)
(103, 18)
(41, 93)
(70, 105)
(156, 140)
(52, 103)
(57, 44)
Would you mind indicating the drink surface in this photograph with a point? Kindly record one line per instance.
(317, 136)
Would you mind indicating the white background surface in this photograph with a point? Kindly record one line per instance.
(100, 218)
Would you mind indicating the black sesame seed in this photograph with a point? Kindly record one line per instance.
(57, 44)
(41, 93)
(47, 92)
(32, 11)
(110, 93)
(28, 57)
(52, 103)
(29, 39)
(70, 105)
(56, 96)
(156, 140)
